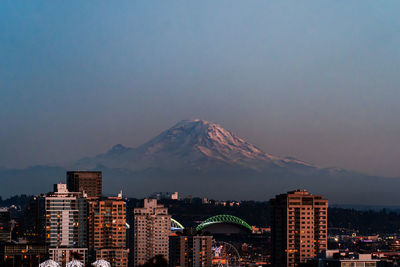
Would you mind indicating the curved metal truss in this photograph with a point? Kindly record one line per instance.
(176, 226)
(223, 218)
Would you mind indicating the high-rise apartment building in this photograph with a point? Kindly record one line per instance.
(107, 230)
(298, 227)
(190, 251)
(88, 182)
(66, 224)
(152, 226)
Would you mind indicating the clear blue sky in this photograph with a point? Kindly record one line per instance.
(317, 80)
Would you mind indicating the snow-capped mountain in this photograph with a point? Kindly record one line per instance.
(201, 158)
(194, 144)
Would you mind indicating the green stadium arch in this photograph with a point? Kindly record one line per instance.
(223, 218)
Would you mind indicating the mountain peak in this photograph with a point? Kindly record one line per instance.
(196, 144)
(118, 148)
(197, 139)
(191, 122)
(197, 131)
(200, 126)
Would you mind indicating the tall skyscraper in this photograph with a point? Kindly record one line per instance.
(190, 251)
(107, 230)
(85, 181)
(66, 225)
(152, 226)
(298, 227)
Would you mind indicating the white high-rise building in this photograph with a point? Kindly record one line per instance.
(66, 224)
(152, 227)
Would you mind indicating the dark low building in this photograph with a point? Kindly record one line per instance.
(22, 255)
(5, 226)
(33, 221)
(336, 258)
(190, 250)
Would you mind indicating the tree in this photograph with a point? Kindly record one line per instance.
(157, 261)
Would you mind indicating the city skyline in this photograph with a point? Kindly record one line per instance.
(317, 81)
(200, 133)
(67, 227)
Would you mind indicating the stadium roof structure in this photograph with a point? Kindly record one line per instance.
(221, 219)
(176, 226)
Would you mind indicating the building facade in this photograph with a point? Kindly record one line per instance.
(190, 251)
(298, 227)
(5, 225)
(64, 255)
(152, 227)
(334, 258)
(19, 255)
(107, 230)
(34, 223)
(66, 219)
(89, 182)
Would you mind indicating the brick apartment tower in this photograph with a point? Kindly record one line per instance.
(85, 181)
(298, 227)
(107, 230)
(152, 227)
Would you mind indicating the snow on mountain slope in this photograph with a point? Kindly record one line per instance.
(191, 144)
(201, 158)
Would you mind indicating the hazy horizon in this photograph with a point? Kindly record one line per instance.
(318, 81)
